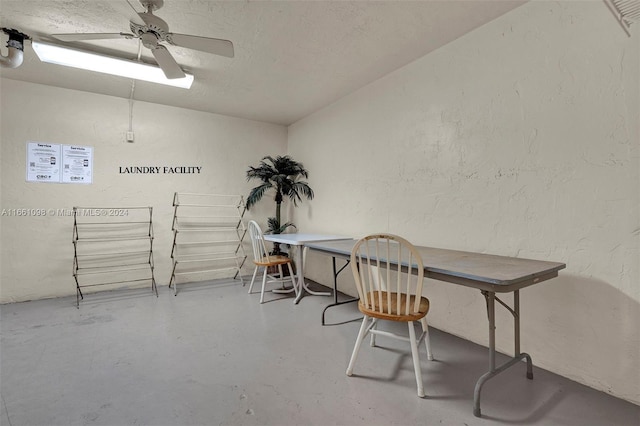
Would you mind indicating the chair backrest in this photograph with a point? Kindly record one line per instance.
(260, 252)
(385, 267)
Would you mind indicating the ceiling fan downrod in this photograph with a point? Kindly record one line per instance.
(151, 5)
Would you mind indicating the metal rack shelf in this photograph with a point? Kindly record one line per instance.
(118, 247)
(208, 234)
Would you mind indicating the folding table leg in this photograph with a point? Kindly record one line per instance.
(518, 356)
(336, 272)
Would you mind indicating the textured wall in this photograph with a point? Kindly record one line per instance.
(521, 139)
(36, 251)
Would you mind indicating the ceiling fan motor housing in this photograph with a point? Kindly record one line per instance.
(149, 40)
(155, 27)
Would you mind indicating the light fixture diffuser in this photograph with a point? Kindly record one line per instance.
(106, 64)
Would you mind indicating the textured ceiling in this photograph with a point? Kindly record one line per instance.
(291, 57)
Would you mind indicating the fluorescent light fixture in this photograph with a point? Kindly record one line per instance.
(105, 64)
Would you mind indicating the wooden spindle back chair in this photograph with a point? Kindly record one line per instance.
(389, 276)
(262, 259)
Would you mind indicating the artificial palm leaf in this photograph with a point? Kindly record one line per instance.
(283, 175)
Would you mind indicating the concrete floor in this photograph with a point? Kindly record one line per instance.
(214, 356)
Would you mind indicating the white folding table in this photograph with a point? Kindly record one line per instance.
(299, 241)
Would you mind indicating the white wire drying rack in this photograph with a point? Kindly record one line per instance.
(626, 12)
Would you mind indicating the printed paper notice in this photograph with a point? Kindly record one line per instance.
(43, 162)
(77, 164)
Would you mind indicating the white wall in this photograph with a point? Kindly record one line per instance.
(36, 251)
(520, 139)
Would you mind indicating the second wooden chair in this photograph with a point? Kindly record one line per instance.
(262, 259)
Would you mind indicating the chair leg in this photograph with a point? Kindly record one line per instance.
(416, 358)
(374, 325)
(264, 282)
(361, 335)
(255, 271)
(281, 277)
(427, 339)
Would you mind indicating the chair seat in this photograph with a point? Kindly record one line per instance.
(273, 260)
(391, 312)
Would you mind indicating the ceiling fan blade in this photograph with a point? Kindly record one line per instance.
(168, 64)
(204, 44)
(125, 8)
(90, 36)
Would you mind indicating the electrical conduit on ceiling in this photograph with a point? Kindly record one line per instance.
(130, 134)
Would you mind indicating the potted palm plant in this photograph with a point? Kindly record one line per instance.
(283, 175)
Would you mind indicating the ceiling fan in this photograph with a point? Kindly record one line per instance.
(151, 30)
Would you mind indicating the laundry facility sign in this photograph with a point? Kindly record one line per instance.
(171, 170)
(50, 162)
